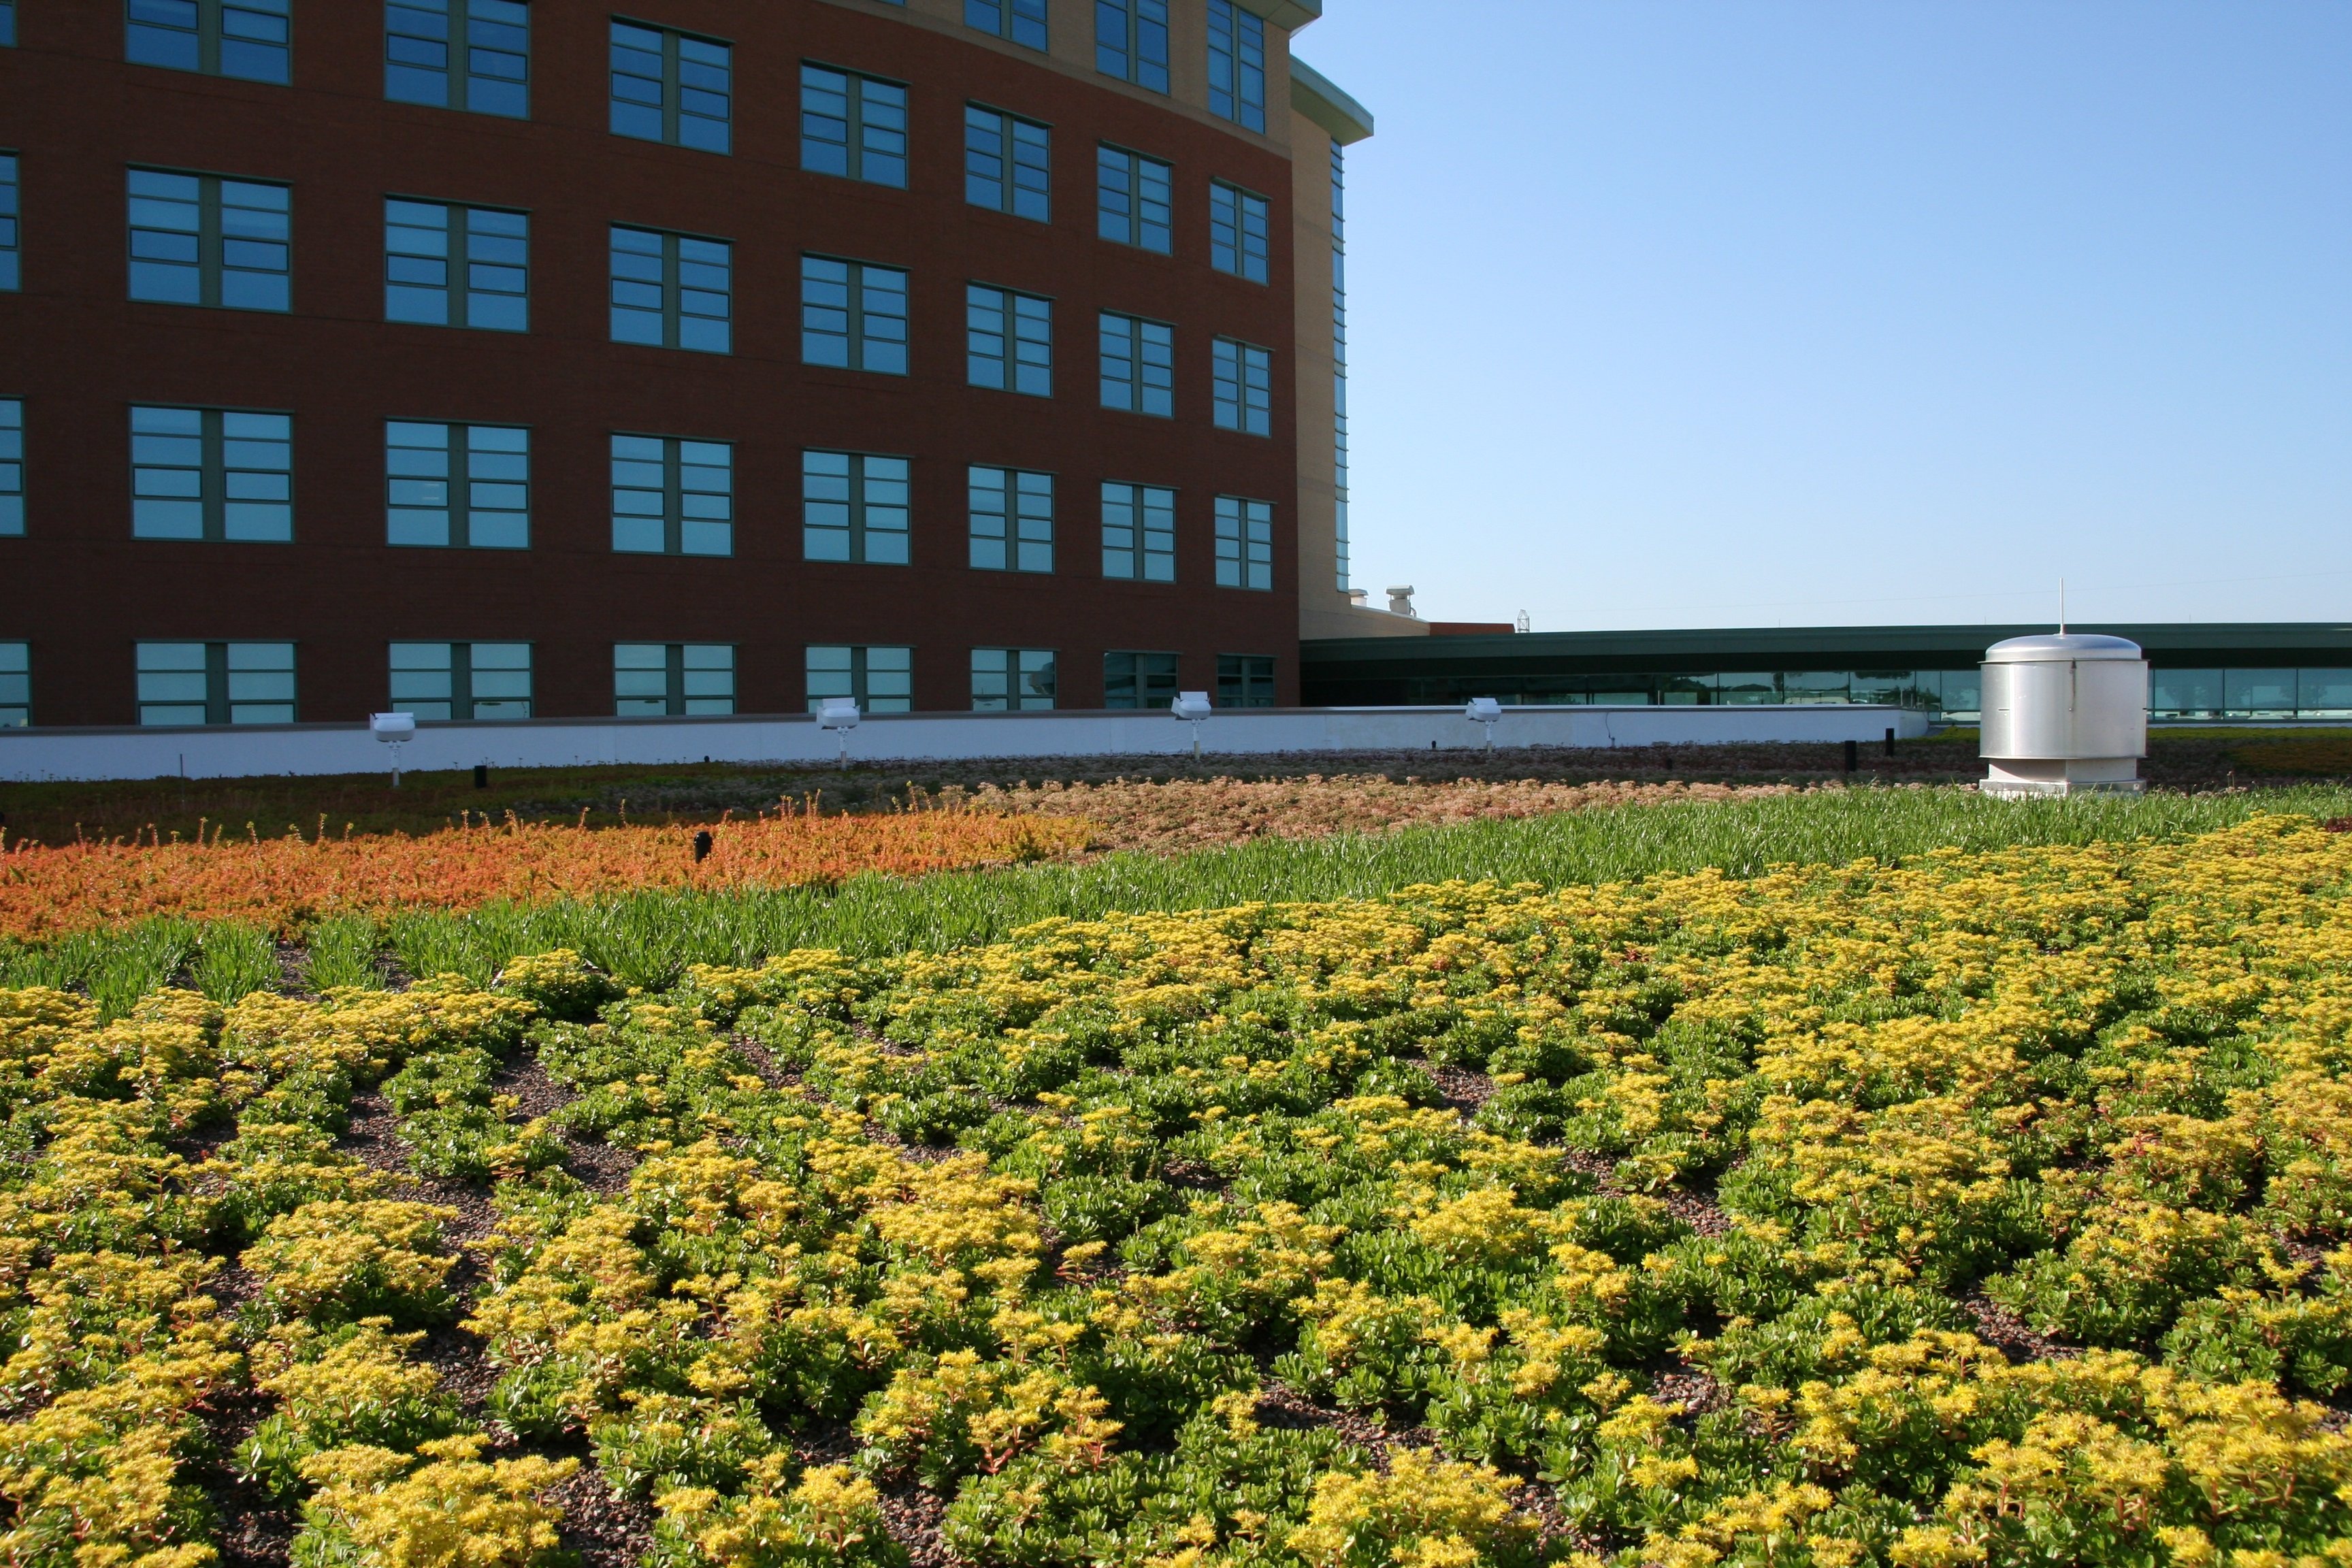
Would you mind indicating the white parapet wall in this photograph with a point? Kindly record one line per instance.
(240, 751)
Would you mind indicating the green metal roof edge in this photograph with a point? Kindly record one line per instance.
(1807, 644)
(1316, 95)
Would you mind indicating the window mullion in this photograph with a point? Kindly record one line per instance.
(461, 680)
(854, 111)
(460, 54)
(208, 240)
(672, 304)
(669, 87)
(673, 679)
(461, 489)
(856, 508)
(212, 482)
(208, 35)
(673, 497)
(857, 316)
(461, 309)
(215, 683)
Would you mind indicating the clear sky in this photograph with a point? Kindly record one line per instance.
(1719, 312)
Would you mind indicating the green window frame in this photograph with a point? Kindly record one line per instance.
(673, 496)
(1008, 341)
(676, 680)
(1245, 680)
(1011, 520)
(853, 126)
(1242, 379)
(250, 40)
(1023, 21)
(1135, 679)
(1138, 365)
(1008, 164)
(1135, 199)
(457, 487)
(470, 55)
(1236, 66)
(187, 683)
(461, 680)
(16, 685)
(448, 265)
(670, 86)
(219, 475)
(853, 315)
(1012, 679)
(1245, 543)
(879, 678)
(1241, 228)
(672, 291)
(12, 468)
(12, 246)
(1131, 42)
(203, 240)
(855, 506)
(1139, 523)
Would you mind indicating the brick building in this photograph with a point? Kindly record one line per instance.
(491, 359)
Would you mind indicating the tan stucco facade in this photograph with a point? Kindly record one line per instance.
(1320, 117)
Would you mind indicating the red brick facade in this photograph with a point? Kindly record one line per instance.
(81, 590)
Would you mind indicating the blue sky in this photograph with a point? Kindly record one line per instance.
(1727, 313)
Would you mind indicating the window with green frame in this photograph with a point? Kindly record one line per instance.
(879, 678)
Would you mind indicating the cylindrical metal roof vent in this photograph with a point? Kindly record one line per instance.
(2064, 714)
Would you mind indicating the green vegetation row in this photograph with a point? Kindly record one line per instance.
(649, 939)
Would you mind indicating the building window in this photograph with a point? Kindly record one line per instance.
(16, 685)
(878, 680)
(1245, 543)
(1007, 164)
(1138, 680)
(1236, 64)
(458, 54)
(651, 679)
(1138, 365)
(11, 270)
(1134, 200)
(449, 266)
(457, 485)
(1245, 389)
(854, 126)
(672, 86)
(1023, 21)
(217, 684)
(1131, 41)
(854, 507)
(853, 315)
(1012, 521)
(1340, 352)
(196, 240)
(1239, 225)
(249, 40)
(1009, 340)
(1139, 533)
(212, 474)
(12, 468)
(461, 679)
(1011, 680)
(8, 26)
(1245, 680)
(672, 291)
(672, 497)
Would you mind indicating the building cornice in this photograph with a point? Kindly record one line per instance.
(1314, 95)
(1288, 15)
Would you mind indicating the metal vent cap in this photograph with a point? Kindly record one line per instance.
(2053, 646)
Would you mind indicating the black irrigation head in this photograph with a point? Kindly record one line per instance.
(702, 842)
